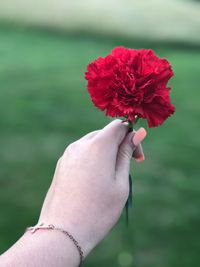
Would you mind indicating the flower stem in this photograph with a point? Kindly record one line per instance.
(129, 200)
(136, 119)
(130, 125)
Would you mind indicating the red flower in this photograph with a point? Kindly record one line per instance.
(129, 83)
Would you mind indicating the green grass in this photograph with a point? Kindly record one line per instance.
(44, 106)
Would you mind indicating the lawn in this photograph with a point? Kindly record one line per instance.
(44, 105)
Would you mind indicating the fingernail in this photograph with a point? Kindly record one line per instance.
(140, 159)
(139, 136)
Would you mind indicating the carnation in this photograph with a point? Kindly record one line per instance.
(132, 84)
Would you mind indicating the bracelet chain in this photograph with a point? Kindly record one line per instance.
(33, 229)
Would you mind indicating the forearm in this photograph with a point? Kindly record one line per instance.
(44, 248)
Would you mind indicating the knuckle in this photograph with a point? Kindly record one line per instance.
(59, 161)
(77, 147)
(71, 148)
(95, 143)
(126, 152)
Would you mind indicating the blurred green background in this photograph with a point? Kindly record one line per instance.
(44, 105)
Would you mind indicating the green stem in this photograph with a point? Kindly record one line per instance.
(130, 126)
(136, 120)
(129, 201)
(131, 123)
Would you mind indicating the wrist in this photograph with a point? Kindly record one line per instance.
(76, 228)
(55, 245)
(43, 248)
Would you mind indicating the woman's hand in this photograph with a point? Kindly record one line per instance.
(87, 195)
(90, 185)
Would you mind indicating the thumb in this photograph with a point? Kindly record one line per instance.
(126, 149)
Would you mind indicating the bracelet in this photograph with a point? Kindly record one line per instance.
(38, 226)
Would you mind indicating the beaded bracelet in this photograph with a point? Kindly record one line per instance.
(38, 226)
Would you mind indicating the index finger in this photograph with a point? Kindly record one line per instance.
(114, 132)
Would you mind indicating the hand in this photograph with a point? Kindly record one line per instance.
(90, 185)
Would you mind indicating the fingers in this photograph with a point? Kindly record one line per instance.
(138, 154)
(114, 132)
(139, 136)
(126, 149)
(138, 151)
(90, 135)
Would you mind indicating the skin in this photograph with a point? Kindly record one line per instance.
(86, 197)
